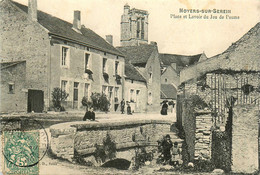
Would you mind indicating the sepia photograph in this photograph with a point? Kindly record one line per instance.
(129, 87)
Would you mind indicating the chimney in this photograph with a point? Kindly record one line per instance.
(109, 39)
(76, 21)
(32, 9)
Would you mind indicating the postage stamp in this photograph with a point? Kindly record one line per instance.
(21, 152)
(24, 144)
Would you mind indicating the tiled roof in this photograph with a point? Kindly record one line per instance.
(180, 60)
(63, 28)
(168, 91)
(138, 54)
(133, 74)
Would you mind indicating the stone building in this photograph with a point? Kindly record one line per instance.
(226, 128)
(13, 77)
(145, 60)
(135, 89)
(172, 64)
(141, 56)
(57, 54)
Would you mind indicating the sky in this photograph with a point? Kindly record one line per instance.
(173, 35)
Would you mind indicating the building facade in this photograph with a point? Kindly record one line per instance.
(58, 54)
(145, 59)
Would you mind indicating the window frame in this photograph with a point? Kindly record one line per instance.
(67, 58)
(104, 67)
(117, 71)
(89, 65)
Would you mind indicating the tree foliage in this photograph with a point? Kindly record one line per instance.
(100, 102)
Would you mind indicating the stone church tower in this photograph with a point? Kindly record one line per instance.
(134, 27)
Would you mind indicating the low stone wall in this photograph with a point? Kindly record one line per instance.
(203, 135)
(68, 139)
(245, 139)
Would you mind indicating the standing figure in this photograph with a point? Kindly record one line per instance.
(166, 149)
(122, 106)
(176, 154)
(89, 115)
(128, 109)
(164, 108)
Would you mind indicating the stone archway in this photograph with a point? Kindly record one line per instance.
(118, 163)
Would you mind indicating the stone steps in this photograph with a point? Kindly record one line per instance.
(173, 134)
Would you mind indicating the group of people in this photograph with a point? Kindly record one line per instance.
(128, 109)
(90, 114)
(164, 109)
(170, 153)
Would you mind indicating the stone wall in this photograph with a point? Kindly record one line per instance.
(245, 139)
(189, 127)
(203, 135)
(68, 139)
(197, 127)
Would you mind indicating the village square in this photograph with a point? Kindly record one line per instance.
(74, 103)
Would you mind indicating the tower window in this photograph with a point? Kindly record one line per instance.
(138, 29)
(142, 29)
(165, 80)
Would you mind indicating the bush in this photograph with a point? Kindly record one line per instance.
(104, 103)
(85, 102)
(203, 165)
(141, 156)
(58, 96)
(100, 102)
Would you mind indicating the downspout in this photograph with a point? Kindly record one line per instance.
(49, 78)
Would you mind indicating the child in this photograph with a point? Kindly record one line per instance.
(176, 154)
(166, 149)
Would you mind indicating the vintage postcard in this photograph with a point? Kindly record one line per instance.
(129, 87)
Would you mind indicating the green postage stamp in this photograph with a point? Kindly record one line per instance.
(21, 152)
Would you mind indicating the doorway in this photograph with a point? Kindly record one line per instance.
(35, 101)
(75, 95)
